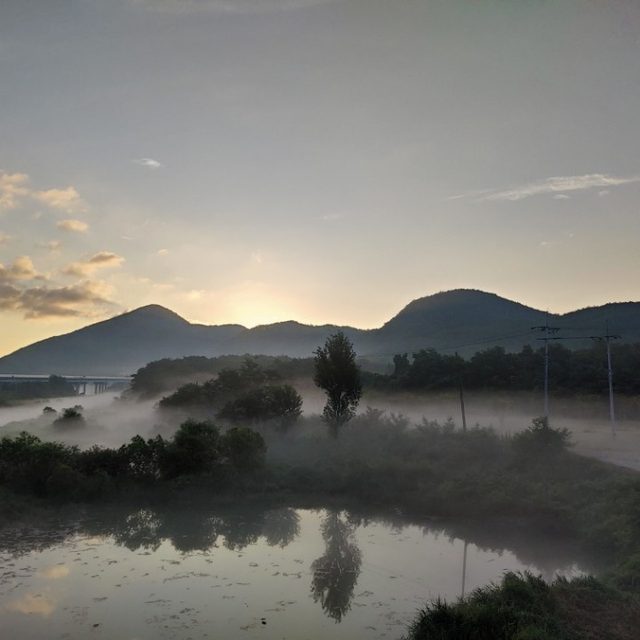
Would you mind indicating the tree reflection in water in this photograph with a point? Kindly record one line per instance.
(281, 527)
(192, 530)
(335, 574)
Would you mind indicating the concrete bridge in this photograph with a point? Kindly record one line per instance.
(100, 383)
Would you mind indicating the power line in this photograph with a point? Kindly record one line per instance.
(606, 338)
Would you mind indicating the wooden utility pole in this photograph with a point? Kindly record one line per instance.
(461, 389)
(464, 415)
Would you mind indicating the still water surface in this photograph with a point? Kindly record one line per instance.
(249, 573)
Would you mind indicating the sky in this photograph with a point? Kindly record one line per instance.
(327, 161)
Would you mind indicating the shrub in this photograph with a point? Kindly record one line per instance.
(193, 450)
(273, 403)
(71, 418)
(244, 448)
(540, 439)
(98, 460)
(521, 607)
(144, 459)
(26, 462)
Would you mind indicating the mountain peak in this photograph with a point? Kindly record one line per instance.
(153, 309)
(454, 298)
(150, 313)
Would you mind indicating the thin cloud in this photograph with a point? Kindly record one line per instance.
(149, 163)
(100, 260)
(50, 245)
(67, 200)
(13, 187)
(72, 226)
(4, 239)
(558, 185)
(22, 268)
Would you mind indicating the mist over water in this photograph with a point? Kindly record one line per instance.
(252, 572)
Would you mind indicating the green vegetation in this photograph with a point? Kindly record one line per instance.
(246, 395)
(57, 471)
(280, 404)
(381, 459)
(162, 376)
(525, 607)
(385, 461)
(338, 375)
(579, 371)
(70, 418)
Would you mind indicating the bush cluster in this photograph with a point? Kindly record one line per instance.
(56, 470)
(240, 396)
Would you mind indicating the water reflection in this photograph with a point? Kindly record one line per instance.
(190, 529)
(350, 541)
(57, 572)
(335, 574)
(32, 604)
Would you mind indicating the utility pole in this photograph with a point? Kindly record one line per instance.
(464, 569)
(462, 410)
(548, 332)
(464, 415)
(607, 338)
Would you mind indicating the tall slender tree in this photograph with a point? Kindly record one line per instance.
(338, 375)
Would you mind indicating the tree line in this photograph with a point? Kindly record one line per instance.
(570, 371)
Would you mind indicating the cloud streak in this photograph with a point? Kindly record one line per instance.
(72, 226)
(555, 186)
(149, 163)
(100, 260)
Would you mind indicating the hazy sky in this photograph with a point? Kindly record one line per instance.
(320, 160)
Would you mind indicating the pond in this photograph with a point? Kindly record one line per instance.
(251, 572)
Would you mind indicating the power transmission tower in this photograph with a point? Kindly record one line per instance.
(548, 333)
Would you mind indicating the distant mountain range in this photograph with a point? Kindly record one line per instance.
(462, 320)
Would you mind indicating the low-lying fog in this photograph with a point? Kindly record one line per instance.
(111, 421)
